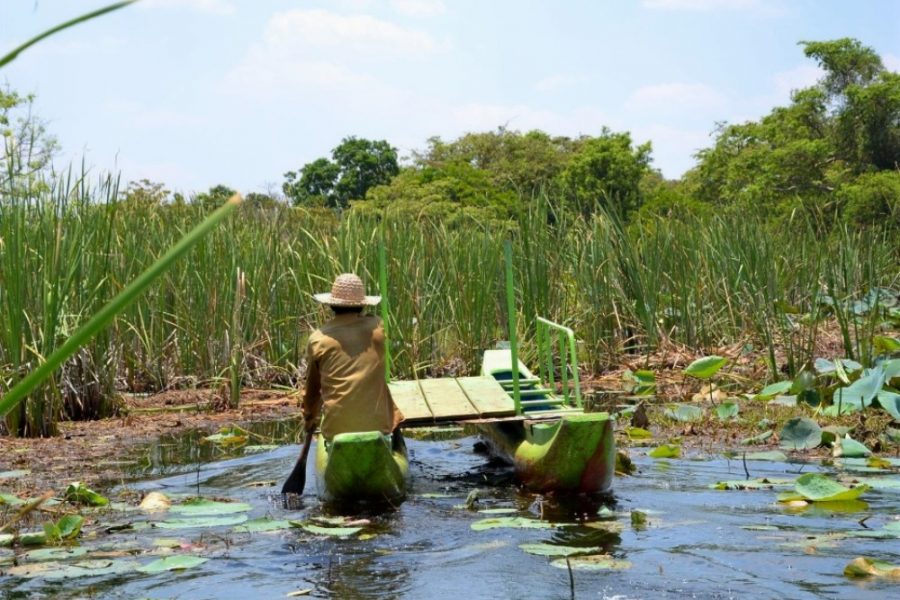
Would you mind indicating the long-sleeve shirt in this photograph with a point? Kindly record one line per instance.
(345, 377)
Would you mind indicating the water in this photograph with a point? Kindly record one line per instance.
(698, 542)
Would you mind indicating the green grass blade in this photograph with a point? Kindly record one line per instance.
(119, 303)
(8, 58)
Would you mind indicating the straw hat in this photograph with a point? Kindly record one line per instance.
(347, 290)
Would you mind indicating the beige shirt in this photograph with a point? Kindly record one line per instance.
(345, 377)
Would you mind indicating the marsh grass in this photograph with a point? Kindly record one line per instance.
(624, 289)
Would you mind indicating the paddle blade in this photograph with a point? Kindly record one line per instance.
(296, 481)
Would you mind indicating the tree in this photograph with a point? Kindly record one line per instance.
(606, 172)
(27, 147)
(845, 61)
(357, 165)
(145, 193)
(215, 197)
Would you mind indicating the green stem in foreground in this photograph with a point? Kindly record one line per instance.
(119, 303)
(91, 15)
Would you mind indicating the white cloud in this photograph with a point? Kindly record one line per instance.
(673, 147)
(797, 78)
(891, 62)
(676, 96)
(216, 7)
(142, 117)
(554, 82)
(483, 117)
(701, 5)
(419, 8)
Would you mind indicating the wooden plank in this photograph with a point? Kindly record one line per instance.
(410, 400)
(488, 396)
(446, 399)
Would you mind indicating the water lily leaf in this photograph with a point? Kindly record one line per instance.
(78, 493)
(592, 562)
(881, 483)
(706, 367)
(771, 455)
(498, 511)
(172, 563)
(757, 439)
(32, 538)
(861, 392)
(333, 531)
(228, 436)
(512, 523)
(684, 412)
(14, 474)
(666, 451)
(637, 433)
(727, 410)
(828, 508)
(262, 524)
(10, 500)
(774, 389)
(48, 554)
(201, 506)
(200, 522)
(891, 369)
(818, 488)
(890, 402)
(155, 501)
(762, 483)
(553, 550)
(68, 527)
(800, 433)
(84, 568)
(850, 448)
(868, 567)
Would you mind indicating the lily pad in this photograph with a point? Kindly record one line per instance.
(201, 506)
(818, 488)
(762, 483)
(771, 455)
(200, 522)
(774, 389)
(78, 493)
(706, 367)
(498, 511)
(868, 567)
(890, 402)
(727, 410)
(801, 433)
(48, 554)
(262, 524)
(554, 550)
(757, 439)
(332, 531)
(68, 527)
(666, 451)
(172, 563)
(592, 562)
(512, 523)
(637, 433)
(861, 392)
(85, 568)
(850, 448)
(684, 412)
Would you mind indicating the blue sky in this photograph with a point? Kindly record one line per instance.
(198, 92)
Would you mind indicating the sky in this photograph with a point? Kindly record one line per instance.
(194, 93)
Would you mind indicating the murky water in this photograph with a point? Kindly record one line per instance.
(697, 543)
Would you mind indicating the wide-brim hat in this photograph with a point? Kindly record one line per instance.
(347, 290)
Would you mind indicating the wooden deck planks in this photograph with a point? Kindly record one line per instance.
(446, 399)
(410, 400)
(487, 395)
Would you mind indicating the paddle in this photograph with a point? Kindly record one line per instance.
(297, 479)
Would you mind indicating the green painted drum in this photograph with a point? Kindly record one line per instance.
(362, 467)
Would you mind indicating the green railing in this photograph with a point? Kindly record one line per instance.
(555, 338)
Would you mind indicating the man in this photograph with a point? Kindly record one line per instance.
(345, 367)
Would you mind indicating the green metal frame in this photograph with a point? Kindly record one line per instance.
(568, 359)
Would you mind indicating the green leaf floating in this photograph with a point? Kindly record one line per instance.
(684, 412)
(172, 563)
(262, 524)
(861, 392)
(48, 554)
(706, 367)
(553, 550)
(333, 531)
(84, 568)
(594, 562)
(727, 410)
(890, 402)
(511, 522)
(801, 433)
(201, 506)
(850, 448)
(818, 488)
(774, 389)
(764, 483)
(78, 493)
(666, 451)
(201, 522)
(868, 567)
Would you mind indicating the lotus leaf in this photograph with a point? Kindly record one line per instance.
(763, 483)
(592, 562)
(666, 451)
(850, 448)
(201, 506)
(867, 567)
(172, 563)
(757, 439)
(333, 531)
(727, 410)
(201, 522)
(78, 493)
(684, 412)
(48, 554)
(706, 367)
(774, 389)
(262, 524)
(553, 550)
(771, 455)
(818, 488)
(890, 402)
(511, 522)
(637, 433)
(85, 568)
(800, 433)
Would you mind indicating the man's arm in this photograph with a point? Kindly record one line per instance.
(312, 394)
